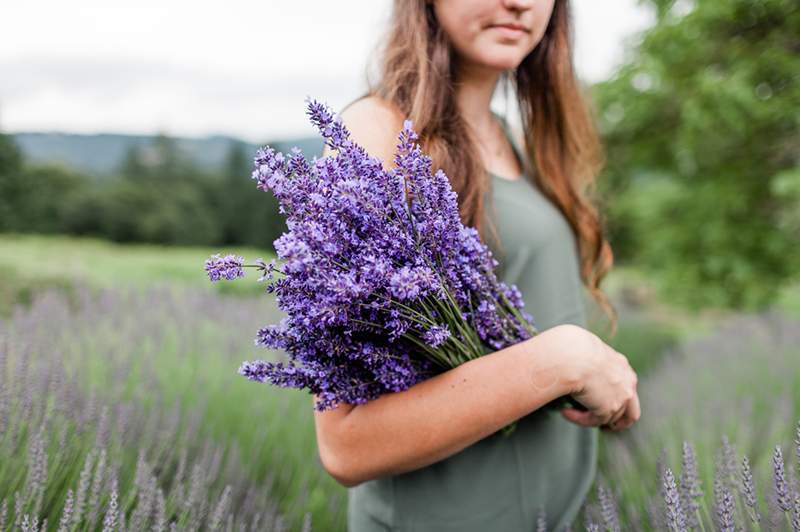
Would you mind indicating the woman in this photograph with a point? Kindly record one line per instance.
(430, 458)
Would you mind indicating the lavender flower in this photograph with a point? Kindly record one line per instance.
(436, 335)
(110, 520)
(782, 493)
(541, 520)
(725, 506)
(797, 443)
(726, 463)
(676, 518)
(381, 283)
(66, 514)
(3, 514)
(228, 267)
(608, 509)
(267, 269)
(748, 491)
(690, 486)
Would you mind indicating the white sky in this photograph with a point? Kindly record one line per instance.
(241, 68)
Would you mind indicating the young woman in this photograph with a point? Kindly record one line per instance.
(430, 458)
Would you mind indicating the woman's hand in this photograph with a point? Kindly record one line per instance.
(605, 383)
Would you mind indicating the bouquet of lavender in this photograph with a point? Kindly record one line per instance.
(381, 283)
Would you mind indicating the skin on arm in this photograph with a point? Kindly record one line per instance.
(438, 417)
(400, 432)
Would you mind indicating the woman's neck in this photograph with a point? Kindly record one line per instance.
(474, 90)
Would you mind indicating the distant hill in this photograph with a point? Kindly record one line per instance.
(101, 154)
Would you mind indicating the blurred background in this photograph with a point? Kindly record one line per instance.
(127, 134)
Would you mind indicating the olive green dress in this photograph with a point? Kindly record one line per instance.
(500, 484)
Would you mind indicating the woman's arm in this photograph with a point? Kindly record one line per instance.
(400, 432)
(403, 431)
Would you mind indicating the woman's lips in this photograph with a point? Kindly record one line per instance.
(509, 30)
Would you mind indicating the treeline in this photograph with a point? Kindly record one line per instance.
(156, 196)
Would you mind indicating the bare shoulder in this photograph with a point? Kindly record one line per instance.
(374, 124)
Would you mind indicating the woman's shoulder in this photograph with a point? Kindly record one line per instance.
(374, 123)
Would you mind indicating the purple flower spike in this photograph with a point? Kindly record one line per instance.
(725, 507)
(782, 493)
(266, 269)
(436, 336)
(748, 491)
(228, 267)
(690, 486)
(676, 518)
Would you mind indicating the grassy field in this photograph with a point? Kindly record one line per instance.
(30, 263)
(141, 330)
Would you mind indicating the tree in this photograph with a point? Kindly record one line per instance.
(702, 140)
(250, 215)
(11, 184)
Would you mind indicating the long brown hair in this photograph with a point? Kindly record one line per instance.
(417, 75)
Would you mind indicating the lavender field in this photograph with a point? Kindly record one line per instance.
(719, 436)
(121, 409)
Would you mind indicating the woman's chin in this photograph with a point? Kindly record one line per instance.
(503, 61)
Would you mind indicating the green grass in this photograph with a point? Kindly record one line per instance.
(31, 263)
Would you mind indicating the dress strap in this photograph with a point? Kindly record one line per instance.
(513, 141)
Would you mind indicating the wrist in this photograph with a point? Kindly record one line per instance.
(551, 369)
(564, 345)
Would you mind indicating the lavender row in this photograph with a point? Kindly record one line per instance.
(679, 468)
(95, 434)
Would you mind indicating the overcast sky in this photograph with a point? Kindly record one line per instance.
(240, 68)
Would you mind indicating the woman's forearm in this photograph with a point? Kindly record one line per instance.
(438, 417)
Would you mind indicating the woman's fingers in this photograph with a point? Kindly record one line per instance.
(584, 418)
(618, 415)
(632, 413)
(636, 411)
(621, 422)
(622, 419)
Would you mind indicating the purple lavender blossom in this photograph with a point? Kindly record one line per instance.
(725, 506)
(608, 509)
(228, 267)
(782, 493)
(676, 517)
(690, 486)
(266, 269)
(381, 283)
(748, 491)
(436, 335)
(541, 520)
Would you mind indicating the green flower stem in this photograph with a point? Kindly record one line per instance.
(457, 322)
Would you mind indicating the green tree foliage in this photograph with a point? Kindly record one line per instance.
(159, 196)
(250, 215)
(10, 181)
(702, 139)
(34, 198)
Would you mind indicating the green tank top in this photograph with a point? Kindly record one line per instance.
(502, 483)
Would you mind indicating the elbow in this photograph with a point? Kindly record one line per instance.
(341, 453)
(340, 466)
